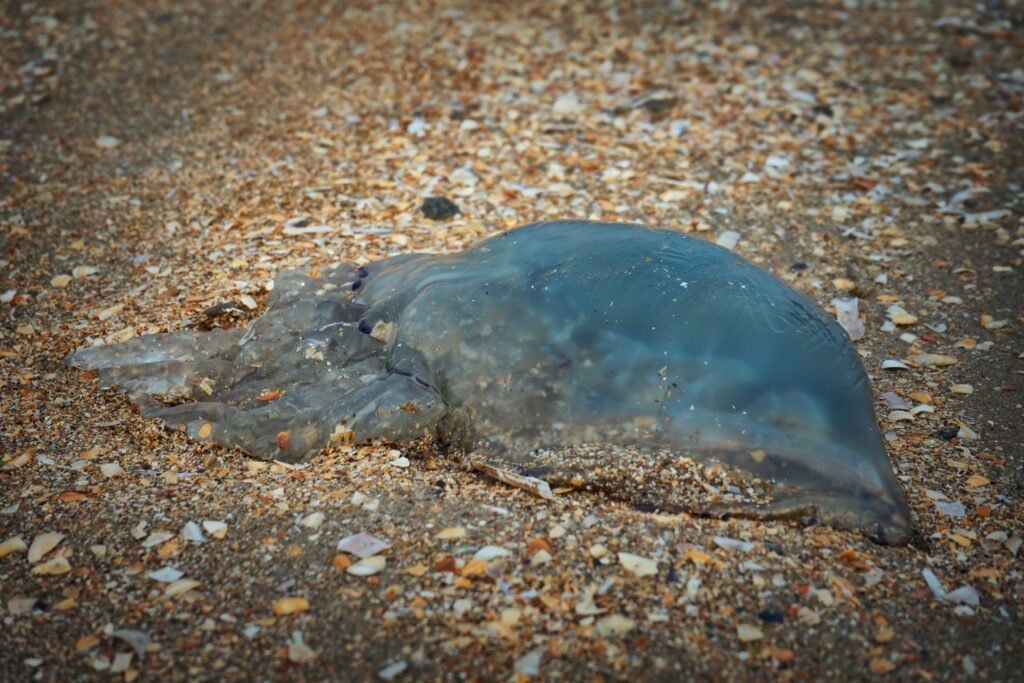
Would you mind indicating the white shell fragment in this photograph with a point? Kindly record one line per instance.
(362, 545)
(732, 544)
(491, 552)
(848, 316)
(728, 239)
(964, 594)
(192, 533)
(156, 538)
(166, 575)
(313, 521)
(111, 470)
(614, 625)
(638, 565)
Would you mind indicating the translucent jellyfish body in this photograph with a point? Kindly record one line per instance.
(551, 335)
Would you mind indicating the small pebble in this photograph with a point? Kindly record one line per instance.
(293, 605)
(439, 208)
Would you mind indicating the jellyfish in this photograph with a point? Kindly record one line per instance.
(544, 337)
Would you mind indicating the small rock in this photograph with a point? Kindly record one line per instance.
(19, 460)
(933, 359)
(293, 605)
(808, 616)
(678, 128)
(107, 142)
(461, 606)
(614, 625)
(111, 470)
(313, 521)
(60, 281)
(439, 208)
(976, 481)
(451, 532)
(842, 283)
(300, 653)
(567, 105)
(122, 660)
(416, 127)
(215, 528)
(969, 667)
(879, 665)
(540, 557)
(392, 671)
(529, 664)
(21, 605)
(747, 633)
(464, 176)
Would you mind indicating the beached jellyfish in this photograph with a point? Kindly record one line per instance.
(552, 335)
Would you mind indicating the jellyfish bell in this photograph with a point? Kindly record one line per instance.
(548, 335)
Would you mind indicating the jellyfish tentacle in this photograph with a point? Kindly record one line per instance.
(170, 379)
(153, 348)
(395, 407)
(298, 423)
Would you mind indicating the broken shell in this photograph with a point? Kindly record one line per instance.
(12, 545)
(368, 566)
(42, 544)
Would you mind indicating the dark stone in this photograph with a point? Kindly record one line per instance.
(439, 208)
(772, 616)
(823, 109)
(226, 308)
